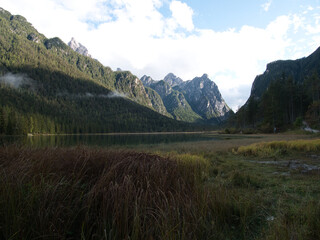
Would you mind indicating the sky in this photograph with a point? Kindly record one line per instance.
(230, 40)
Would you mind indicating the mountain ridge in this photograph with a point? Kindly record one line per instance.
(299, 69)
(284, 95)
(198, 99)
(66, 91)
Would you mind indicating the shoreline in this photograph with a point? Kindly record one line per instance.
(112, 134)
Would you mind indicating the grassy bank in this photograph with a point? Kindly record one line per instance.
(97, 194)
(275, 148)
(172, 193)
(290, 171)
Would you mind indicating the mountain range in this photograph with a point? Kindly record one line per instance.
(194, 100)
(190, 101)
(47, 87)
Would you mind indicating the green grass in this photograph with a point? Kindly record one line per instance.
(279, 147)
(195, 191)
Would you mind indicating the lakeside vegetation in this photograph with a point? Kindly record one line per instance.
(166, 192)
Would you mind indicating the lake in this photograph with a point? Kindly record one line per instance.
(104, 140)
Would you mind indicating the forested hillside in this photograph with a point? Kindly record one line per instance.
(286, 94)
(46, 87)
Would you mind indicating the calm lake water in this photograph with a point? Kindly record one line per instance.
(106, 140)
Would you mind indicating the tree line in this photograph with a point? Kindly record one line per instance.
(285, 104)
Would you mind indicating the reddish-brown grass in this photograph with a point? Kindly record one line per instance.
(86, 193)
(80, 192)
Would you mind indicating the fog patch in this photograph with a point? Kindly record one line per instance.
(89, 95)
(23, 81)
(17, 80)
(116, 94)
(113, 94)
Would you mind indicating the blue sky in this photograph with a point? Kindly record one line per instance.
(231, 40)
(220, 15)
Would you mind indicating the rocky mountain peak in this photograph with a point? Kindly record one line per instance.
(172, 80)
(147, 80)
(162, 88)
(205, 98)
(205, 83)
(197, 98)
(205, 76)
(78, 47)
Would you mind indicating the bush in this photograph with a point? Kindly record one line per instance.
(266, 128)
(231, 131)
(298, 122)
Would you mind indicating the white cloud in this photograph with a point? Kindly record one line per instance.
(135, 36)
(182, 15)
(266, 6)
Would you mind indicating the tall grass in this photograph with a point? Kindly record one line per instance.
(296, 207)
(82, 193)
(296, 222)
(279, 147)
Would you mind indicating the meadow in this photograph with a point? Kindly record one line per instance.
(260, 187)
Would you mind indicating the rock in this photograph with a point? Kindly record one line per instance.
(205, 98)
(162, 88)
(147, 81)
(175, 102)
(33, 37)
(196, 99)
(172, 80)
(78, 47)
(157, 102)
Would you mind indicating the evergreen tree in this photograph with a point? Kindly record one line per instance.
(2, 121)
(252, 111)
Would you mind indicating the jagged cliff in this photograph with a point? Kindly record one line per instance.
(195, 100)
(298, 69)
(205, 98)
(79, 48)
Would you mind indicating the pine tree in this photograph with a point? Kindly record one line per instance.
(2, 122)
(252, 111)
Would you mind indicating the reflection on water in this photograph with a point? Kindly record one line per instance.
(103, 140)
